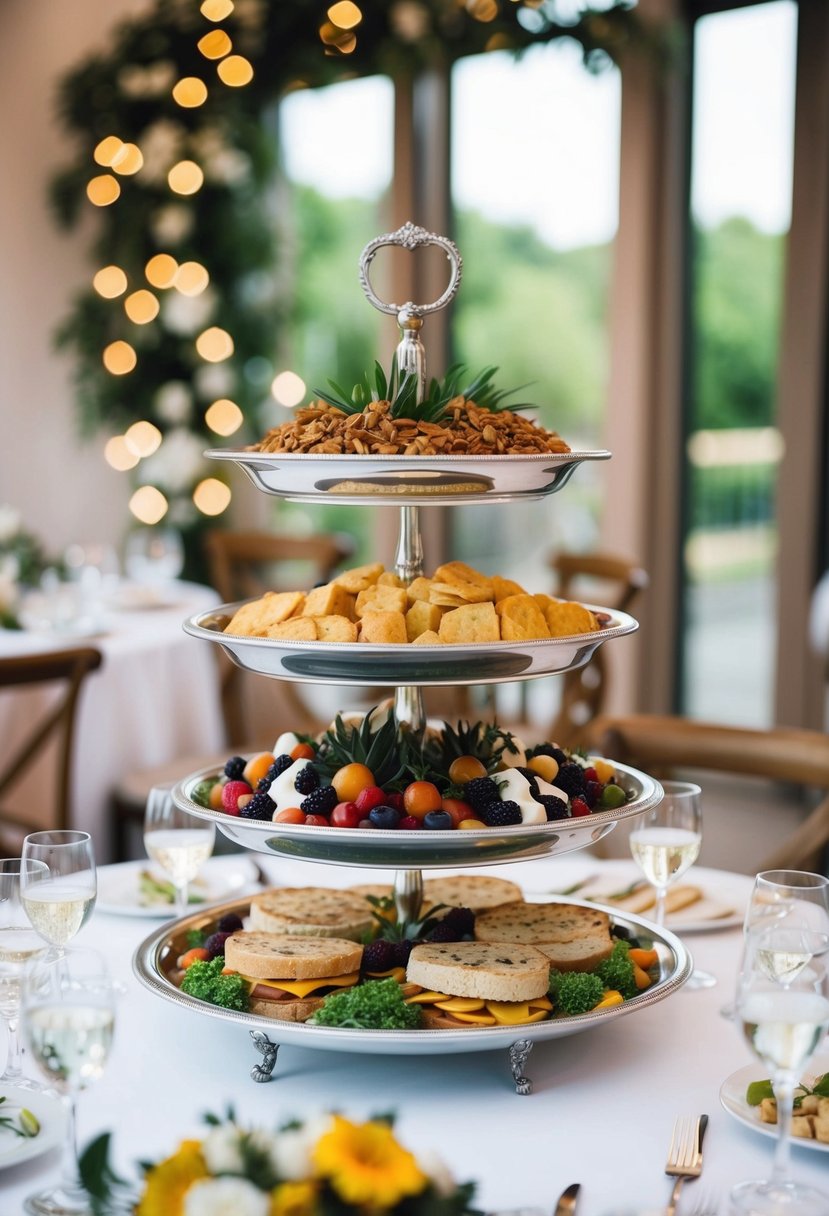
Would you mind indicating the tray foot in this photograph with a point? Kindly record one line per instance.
(262, 1072)
(518, 1054)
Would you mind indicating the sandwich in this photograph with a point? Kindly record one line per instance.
(469, 984)
(287, 974)
(573, 938)
(311, 912)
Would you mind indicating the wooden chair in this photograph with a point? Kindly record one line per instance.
(53, 726)
(791, 758)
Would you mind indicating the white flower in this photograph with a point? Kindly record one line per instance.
(185, 315)
(161, 146)
(225, 1197)
(437, 1171)
(173, 402)
(177, 463)
(292, 1149)
(227, 167)
(152, 81)
(9, 522)
(222, 1150)
(214, 380)
(171, 224)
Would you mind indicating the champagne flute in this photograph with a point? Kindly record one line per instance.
(177, 842)
(69, 1007)
(61, 902)
(18, 944)
(782, 1006)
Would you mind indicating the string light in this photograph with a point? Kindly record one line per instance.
(127, 160)
(288, 389)
(143, 438)
(216, 10)
(103, 190)
(141, 307)
(224, 417)
(211, 496)
(215, 45)
(185, 178)
(161, 270)
(214, 344)
(110, 282)
(235, 71)
(118, 454)
(191, 279)
(345, 14)
(119, 358)
(337, 39)
(190, 92)
(106, 151)
(483, 10)
(148, 505)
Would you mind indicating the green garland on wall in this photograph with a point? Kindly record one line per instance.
(125, 110)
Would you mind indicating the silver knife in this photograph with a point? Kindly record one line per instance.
(566, 1205)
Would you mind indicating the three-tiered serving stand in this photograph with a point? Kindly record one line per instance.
(409, 482)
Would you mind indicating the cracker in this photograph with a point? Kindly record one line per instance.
(459, 572)
(429, 638)
(422, 618)
(381, 598)
(564, 617)
(471, 623)
(418, 589)
(468, 593)
(502, 587)
(384, 628)
(252, 619)
(329, 600)
(360, 577)
(521, 619)
(298, 629)
(335, 629)
(389, 579)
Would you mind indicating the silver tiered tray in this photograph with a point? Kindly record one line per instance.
(423, 849)
(391, 666)
(155, 959)
(407, 480)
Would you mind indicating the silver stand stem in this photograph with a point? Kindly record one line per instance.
(408, 894)
(408, 563)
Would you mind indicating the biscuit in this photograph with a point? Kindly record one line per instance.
(383, 628)
(471, 623)
(253, 618)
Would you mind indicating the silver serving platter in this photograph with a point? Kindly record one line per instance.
(407, 480)
(392, 666)
(155, 958)
(423, 849)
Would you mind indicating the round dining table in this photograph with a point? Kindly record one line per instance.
(154, 698)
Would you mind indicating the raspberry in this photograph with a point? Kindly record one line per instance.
(235, 767)
(320, 801)
(215, 944)
(579, 808)
(590, 774)
(570, 778)
(501, 814)
(232, 791)
(556, 808)
(306, 780)
(378, 956)
(480, 792)
(260, 807)
(462, 921)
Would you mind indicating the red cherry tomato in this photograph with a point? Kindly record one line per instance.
(408, 823)
(368, 798)
(458, 810)
(346, 815)
(420, 798)
(395, 800)
(291, 814)
(317, 821)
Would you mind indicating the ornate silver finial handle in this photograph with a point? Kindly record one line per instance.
(411, 354)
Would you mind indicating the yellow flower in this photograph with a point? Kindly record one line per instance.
(294, 1199)
(365, 1164)
(168, 1182)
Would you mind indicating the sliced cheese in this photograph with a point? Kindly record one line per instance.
(475, 1019)
(513, 1013)
(427, 998)
(540, 1002)
(302, 988)
(396, 973)
(460, 1004)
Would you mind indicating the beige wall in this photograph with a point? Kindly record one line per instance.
(63, 487)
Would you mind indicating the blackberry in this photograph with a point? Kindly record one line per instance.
(261, 806)
(570, 778)
(277, 768)
(550, 749)
(462, 921)
(379, 956)
(593, 793)
(556, 808)
(402, 950)
(320, 801)
(444, 933)
(501, 814)
(215, 944)
(480, 792)
(230, 923)
(235, 767)
(307, 779)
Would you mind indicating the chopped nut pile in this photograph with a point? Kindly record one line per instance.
(467, 430)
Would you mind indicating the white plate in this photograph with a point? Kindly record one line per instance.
(221, 878)
(733, 1100)
(717, 909)
(46, 1108)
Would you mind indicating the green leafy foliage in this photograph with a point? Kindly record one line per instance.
(575, 992)
(486, 741)
(384, 750)
(206, 982)
(616, 971)
(375, 1005)
(757, 1091)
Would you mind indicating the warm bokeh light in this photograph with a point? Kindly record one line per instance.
(211, 496)
(128, 160)
(216, 10)
(185, 178)
(148, 505)
(215, 45)
(288, 389)
(190, 92)
(191, 278)
(141, 307)
(119, 358)
(119, 455)
(103, 190)
(109, 282)
(106, 151)
(345, 14)
(143, 438)
(224, 417)
(341, 40)
(161, 270)
(483, 10)
(214, 344)
(235, 71)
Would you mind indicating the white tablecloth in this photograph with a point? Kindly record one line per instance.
(155, 697)
(601, 1113)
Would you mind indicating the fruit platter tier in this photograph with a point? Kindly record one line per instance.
(157, 965)
(389, 666)
(407, 480)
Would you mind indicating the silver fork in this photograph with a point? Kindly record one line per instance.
(684, 1155)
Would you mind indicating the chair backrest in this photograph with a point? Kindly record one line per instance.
(53, 724)
(662, 745)
(611, 582)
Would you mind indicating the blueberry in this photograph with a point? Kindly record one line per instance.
(384, 816)
(438, 821)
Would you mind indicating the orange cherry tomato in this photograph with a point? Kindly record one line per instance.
(351, 780)
(420, 798)
(256, 767)
(215, 796)
(458, 810)
(291, 814)
(465, 768)
(302, 751)
(471, 825)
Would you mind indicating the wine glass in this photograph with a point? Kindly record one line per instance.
(69, 1008)
(782, 1006)
(60, 902)
(177, 842)
(18, 944)
(154, 555)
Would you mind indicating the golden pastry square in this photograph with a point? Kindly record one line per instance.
(418, 589)
(360, 577)
(428, 638)
(335, 629)
(468, 593)
(422, 618)
(298, 629)
(459, 572)
(544, 601)
(329, 600)
(254, 618)
(565, 617)
(382, 599)
(471, 623)
(521, 619)
(502, 587)
(389, 579)
(384, 628)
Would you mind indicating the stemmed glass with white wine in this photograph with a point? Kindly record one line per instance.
(782, 1006)
(60, 902)
(177, 842)
(18, 945)
(69, 1019)
(665, 842)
